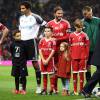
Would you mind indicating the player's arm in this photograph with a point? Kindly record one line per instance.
(40, 22)
(87, 43)
(53, 50)
(45, 61)
(50, 56)
(4, 31)
(40, 51)
(66, 37)
(41, 55)
(11, 49)
(70, 42)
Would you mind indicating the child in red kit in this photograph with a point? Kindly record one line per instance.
(47, 46)
(79, 48)
(64, 67)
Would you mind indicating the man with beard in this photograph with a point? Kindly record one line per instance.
(61, 29)
(91, 28)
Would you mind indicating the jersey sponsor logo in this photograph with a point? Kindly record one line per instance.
(56, 28)
(58, 34)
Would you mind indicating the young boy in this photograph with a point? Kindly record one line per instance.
(79, 48)
(19, 68)
(47, 47)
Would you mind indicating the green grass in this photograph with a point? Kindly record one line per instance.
(7, 85)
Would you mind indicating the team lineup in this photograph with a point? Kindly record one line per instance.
(60, 53)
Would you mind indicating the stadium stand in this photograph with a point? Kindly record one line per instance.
(9, 13)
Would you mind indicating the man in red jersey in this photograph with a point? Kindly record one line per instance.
(61, 28)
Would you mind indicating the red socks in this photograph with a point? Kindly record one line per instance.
(81, 74)
(75, 81)
(55, 83)
(45, 82)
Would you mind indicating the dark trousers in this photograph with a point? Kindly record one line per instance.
(92, 82)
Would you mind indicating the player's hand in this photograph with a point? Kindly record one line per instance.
(37, 39)
(55, 69)
(45, 62)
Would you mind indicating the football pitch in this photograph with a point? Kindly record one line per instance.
(7, 85)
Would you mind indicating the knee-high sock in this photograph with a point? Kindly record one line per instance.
(75, 81)
(37, 72)
(38, 77)
(51, 83)
(63, 82)
(17, 83)
(20, 80)
(24, 81)
(55, 83)
(45, 80)
(81, 75)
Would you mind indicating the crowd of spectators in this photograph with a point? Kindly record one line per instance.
(72, 8)
(9, 13)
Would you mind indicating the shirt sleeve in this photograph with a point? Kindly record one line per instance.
(39, 20)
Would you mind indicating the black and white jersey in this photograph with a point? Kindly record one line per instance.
(29, 26)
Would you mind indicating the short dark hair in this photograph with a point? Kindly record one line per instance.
(87, 8)
(14, 32)
(57, 8)
(27, 4)
(48, 28)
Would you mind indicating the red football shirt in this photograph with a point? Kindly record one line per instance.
(46, 46)
(79, 45)
(60, 29)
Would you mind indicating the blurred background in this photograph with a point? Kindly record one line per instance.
(9, 14)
